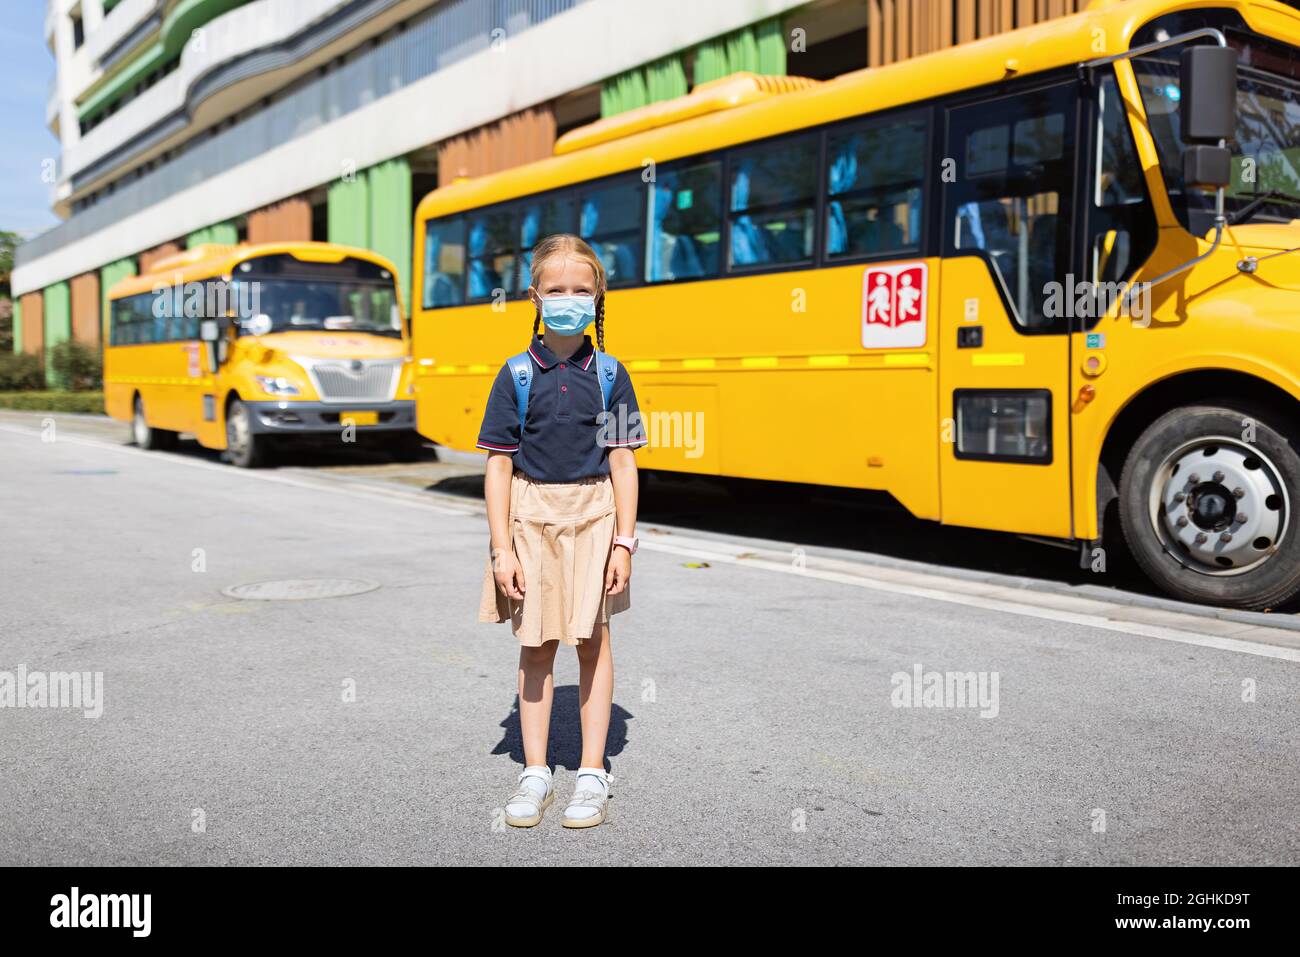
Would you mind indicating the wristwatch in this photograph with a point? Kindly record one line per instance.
(627, 542)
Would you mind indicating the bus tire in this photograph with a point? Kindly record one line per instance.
(244, 448)
(1207, 507)
(147, 437)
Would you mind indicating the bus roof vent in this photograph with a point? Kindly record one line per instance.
(188, 257)
(725, 93)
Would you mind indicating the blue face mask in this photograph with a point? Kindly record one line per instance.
(568, 315)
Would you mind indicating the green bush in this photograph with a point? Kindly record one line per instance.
(21, 370)
(77, 367)
(92, 402)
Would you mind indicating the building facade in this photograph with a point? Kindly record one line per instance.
(193, 121)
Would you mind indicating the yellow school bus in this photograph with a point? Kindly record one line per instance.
(1037, 283)
(247, 345)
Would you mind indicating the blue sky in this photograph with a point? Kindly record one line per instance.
(26, 66)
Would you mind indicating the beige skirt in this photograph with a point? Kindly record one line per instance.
(562, 534)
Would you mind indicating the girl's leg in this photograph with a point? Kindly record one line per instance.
(595, 694)
(536, 690)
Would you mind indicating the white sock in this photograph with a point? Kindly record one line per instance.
(589, 779)
(537, 778)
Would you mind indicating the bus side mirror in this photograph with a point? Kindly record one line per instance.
(1208, 87)
(1207, 167)
(214, 342)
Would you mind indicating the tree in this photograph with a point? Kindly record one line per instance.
(8, 241)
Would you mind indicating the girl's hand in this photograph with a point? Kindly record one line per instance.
(619, 571)
(509, 574)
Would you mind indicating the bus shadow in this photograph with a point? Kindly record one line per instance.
(860, 521)
(304, 455)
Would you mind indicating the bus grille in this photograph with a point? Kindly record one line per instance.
(373, 381)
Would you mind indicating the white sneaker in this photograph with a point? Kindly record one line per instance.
(588, 807)
(525, 807)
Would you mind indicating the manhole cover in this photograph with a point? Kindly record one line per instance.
(300, 589)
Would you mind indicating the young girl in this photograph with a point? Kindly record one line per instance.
(561, 490)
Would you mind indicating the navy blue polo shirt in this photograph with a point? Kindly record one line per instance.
(565, 436)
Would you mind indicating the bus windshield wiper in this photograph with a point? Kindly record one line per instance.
(1272, 196)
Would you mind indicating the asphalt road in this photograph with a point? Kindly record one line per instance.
(755, 716)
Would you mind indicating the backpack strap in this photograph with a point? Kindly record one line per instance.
(606, 371)
(521, 374)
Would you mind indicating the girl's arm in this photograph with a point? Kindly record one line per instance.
(622, 472)
(496, 491)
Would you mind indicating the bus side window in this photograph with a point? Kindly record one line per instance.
(160, 316)
(492, 253)
(874, 177)
(1122, 223)
(1012, 195)
(444, 262)
(610, 220)
(773, 202)
(141, 318)
(686, 223)
(542, 217)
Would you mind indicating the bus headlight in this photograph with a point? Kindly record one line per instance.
(276, 385)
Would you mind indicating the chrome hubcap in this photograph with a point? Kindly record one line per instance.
(1219, 506)
(237, 429)
(139, 426)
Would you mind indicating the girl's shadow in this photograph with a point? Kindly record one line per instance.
(564, 748)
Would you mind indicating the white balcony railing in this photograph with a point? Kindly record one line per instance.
(117, 25)
(228, 37)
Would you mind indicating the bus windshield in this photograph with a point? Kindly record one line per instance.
(1265, 183)
(281, 294)
(285, 305)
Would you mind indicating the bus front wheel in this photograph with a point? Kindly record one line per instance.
(244, 448)
(1206, 505)
(147, 437)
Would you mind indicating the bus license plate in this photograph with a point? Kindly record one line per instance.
(359, 418)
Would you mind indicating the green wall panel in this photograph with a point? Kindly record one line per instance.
(758, 48)
(770, 36)
(58, 324)
(390, 218)
(226, 232)
(623, 92)
(665, 79)
(349, 211)
(661, 80)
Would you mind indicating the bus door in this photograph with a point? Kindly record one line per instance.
(1004, 316)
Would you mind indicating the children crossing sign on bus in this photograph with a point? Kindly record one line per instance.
(893, 306)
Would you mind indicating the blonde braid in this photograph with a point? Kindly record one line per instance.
(600, 323)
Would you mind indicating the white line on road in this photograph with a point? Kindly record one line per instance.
(706, 550)
(993, 604)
